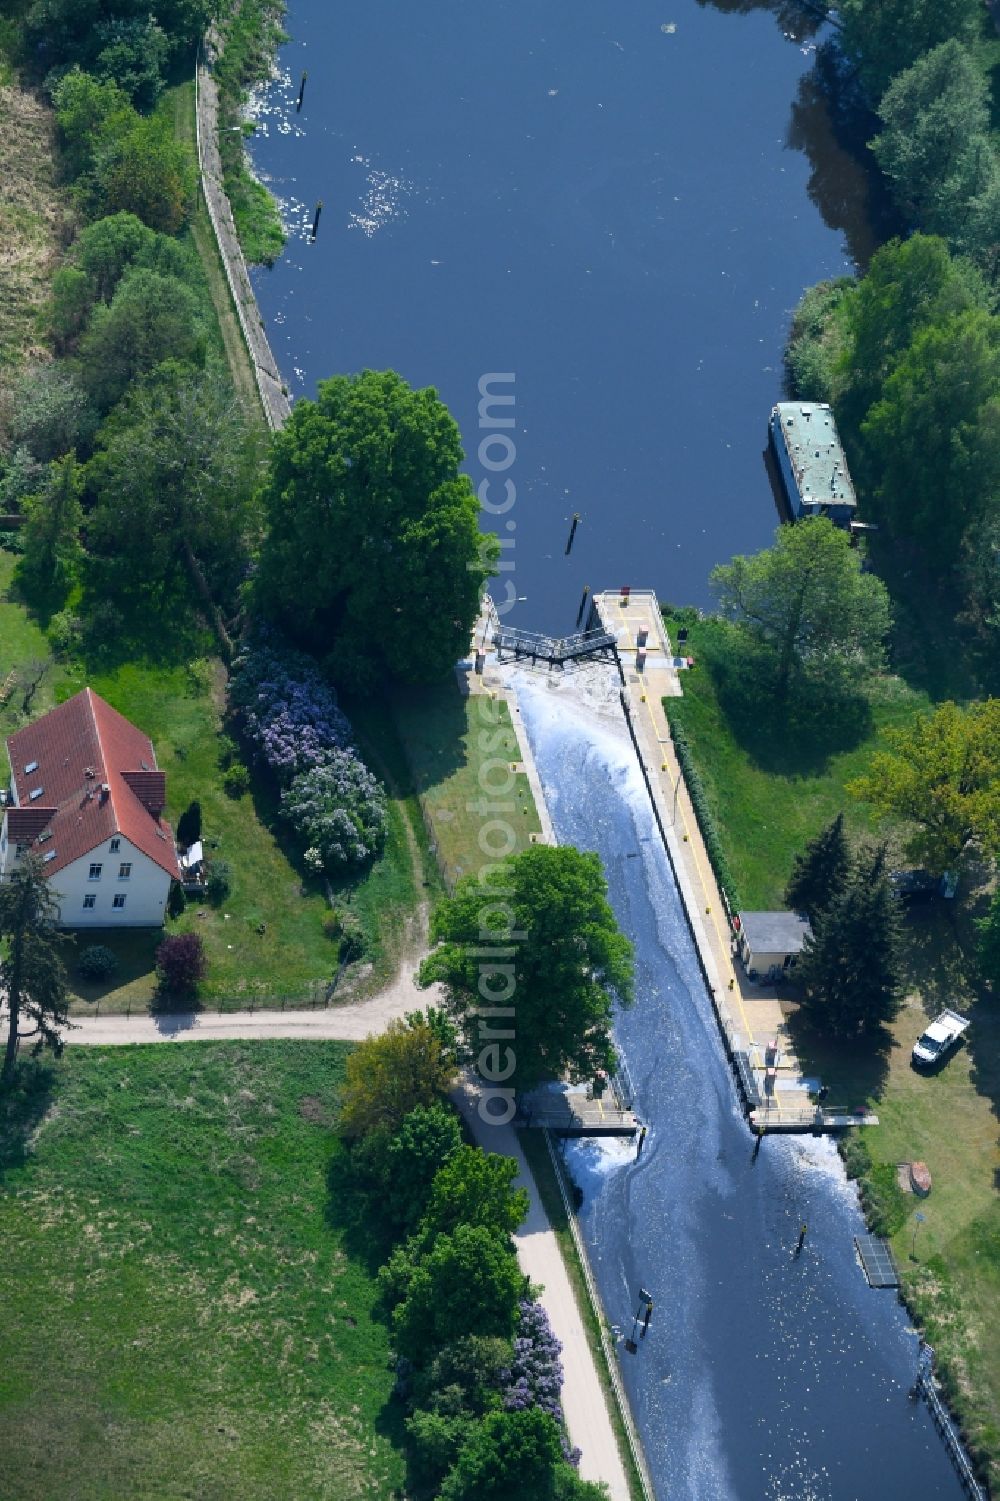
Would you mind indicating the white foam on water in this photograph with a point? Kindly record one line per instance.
(592, 1159)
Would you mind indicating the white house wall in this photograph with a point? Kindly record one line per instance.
(145, 890)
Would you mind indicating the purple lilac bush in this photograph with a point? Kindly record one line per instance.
(535, 1376)
(339, 810)
(286, 708)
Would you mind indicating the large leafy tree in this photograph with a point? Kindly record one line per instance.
(851, 967)
(51, 534)
(567, 964)
(373, 552)
(820, 871)
(150, 320)
(510, 1456)
(941, 775)
(808, 603)
(935, 148)
(32, 977)
(909, 285)
(886, 37)
(933, 439)
(387, 1076)
(474, 1187)
(174, 480)
(468, 1282)
(398, 1168)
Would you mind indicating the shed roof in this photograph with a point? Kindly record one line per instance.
(775, 932)
(815, 453)
(67, 759)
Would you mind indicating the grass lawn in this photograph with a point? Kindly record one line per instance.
(266, 940)
(447, 738)
(770, 796)
(181, 1316)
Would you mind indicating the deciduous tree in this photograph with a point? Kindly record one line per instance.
(563, 962)
(469, 1282)
(32, 977)
(51, 534)
(935, 148)
(808, 603)
(398, 1168)
(373, 552)
(474, 1187)
(933, 439)
(941, 775)
(885, 38)
(151, 319)
(389, 1075)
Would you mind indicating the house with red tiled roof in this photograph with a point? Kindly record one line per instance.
(87, 797)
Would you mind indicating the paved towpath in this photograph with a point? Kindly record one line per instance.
(584, 1403)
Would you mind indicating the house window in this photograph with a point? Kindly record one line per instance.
(119, 901)
(115, 846)
(95, 871)
(89, 903)
(124, 870)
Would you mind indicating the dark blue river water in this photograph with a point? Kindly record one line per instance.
(619, 204)
(765, 1376)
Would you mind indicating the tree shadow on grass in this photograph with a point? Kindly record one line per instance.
(853, 1072)
(353, 1213)
(795, 738)
(23, 1106)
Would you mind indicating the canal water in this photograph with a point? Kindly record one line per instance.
(766, 1375)
(619, 205)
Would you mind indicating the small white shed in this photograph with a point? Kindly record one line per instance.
(771, 942)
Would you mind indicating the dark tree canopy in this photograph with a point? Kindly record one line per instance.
(851, 968)
(885, 37)
(32, 976)
(373, 553)
(820, 871)
(562, 976)
(467, 1281)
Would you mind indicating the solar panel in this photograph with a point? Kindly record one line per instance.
(876, 1261)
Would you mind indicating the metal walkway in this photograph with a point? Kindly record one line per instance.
(555, 650)
(876, 1261)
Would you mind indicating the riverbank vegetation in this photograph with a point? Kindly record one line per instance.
(249, 34)
(478, 1374)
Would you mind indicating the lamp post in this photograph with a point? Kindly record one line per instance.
(919, 1218)
(677, 788)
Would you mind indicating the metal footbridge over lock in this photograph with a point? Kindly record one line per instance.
(556, 651)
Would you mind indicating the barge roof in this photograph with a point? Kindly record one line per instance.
(809, 432)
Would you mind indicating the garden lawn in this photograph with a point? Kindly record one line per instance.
(266, 940)
(23, 641)
(181, 1317)
(447, 738)
(766, 816)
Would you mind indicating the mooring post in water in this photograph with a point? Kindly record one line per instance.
(315, 228)
(802, 1237)
(646, 1319)
(583, 605)
(572, 531)
(302, 91)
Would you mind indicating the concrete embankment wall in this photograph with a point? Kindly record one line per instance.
(273, 397)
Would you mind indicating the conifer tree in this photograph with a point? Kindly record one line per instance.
(850, 970)
(32, 976)
(820, 871)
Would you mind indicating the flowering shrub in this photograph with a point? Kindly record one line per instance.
(339, 810)
(287, 710)
(535, 1375)
(181, 964)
